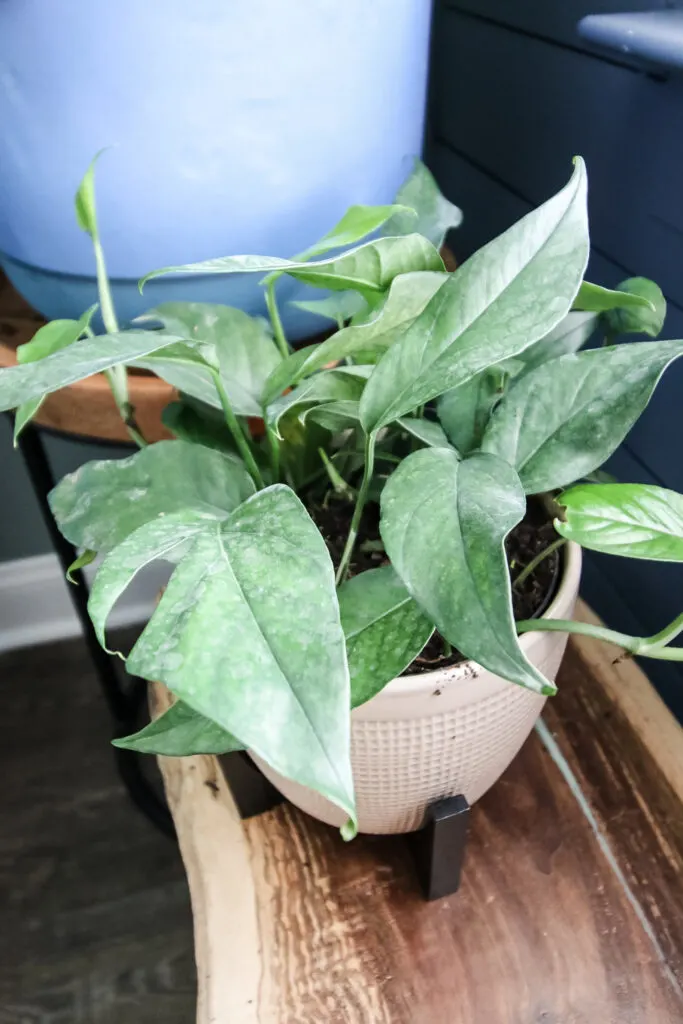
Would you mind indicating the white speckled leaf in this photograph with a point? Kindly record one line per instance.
(384, 629)
(465, 411)
(243, 344)
(444, 522)
(407, 297)
(570, 335)
(100, 504)
(368, 269)
(426, 431)
(344, 384)
(503, 299)
(563, 419)
(632, 520)
(180, 732)
(183, 367)
(20, 384)
(436, 215)
(158, 539)
(248, 633)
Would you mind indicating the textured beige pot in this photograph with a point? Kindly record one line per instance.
(435, 735)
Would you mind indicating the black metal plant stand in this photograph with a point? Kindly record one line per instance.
(438, 847)
(123, 700)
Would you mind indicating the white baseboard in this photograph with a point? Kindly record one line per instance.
(35, 604)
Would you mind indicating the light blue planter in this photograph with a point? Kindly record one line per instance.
(236, 126)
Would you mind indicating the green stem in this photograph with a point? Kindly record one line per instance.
(274, 449)
(645, 647)
(447, 648)
(237, 434)
(360, 506)
(274, 313)
(535, 562)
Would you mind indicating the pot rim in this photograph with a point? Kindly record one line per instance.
(403, 686)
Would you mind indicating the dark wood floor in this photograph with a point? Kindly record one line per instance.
(95, 921)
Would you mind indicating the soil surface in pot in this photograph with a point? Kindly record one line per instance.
(532, 536)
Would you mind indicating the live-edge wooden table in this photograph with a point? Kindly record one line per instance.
(570, 910)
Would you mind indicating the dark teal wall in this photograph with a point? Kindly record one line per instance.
(515, 95)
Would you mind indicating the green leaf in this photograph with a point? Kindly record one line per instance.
(153, 541)
(335, 416)
(243, 345)
(83, 560)
(507, 296)
(444, 522)
(647, 318)
(180, 732)
(407, 297)
(54, 336)
(563, 419)
(595, 299)
(465, 411)
(435, 214)
(429, 433)
(632, 520)
(384, 629)
(235, 638)
(19, 384)
(570, 335)
(369, 268)
(340, 306)
(100, 504)
(86, 212)
(357, 223)
(343, 384)
(24, 415)
(184, 367)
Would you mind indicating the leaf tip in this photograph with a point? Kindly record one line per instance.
(349, 830)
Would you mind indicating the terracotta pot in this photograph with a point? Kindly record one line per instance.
(453, 731)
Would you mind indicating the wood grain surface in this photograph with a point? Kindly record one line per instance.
(566, 915)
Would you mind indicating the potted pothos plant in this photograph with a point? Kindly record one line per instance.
(375, 538)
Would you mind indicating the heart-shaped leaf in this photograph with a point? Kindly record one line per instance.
(100, 504)
(570, 335)
(444, 523)
(422, 196)
(155, 540)
(465, 411)
(243, 346)
(235, 638)
(343, 384)
(368, 269)
(384, 629)
(425, 431)
(503, 299)
(180, 732)
(646, 317)
(407, 297)
(563, 419)
(632, 520)
(594, 298)
(20, 384)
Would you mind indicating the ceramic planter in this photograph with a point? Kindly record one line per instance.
(440, 734)
(235, 126)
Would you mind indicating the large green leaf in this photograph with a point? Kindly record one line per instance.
(101, 503)
(507, 296)
(180, 732)
(154, 540)
(593, 298)
(368, 269)
(384, 629)
(248, 634)
(563, 419)
(82, 359)
(444, 522)
(243, 346)
(343, 384)
(633, 520)
(425, 431)
(570, 335)
(464, 412)
(423, 198)
(407, 297)
(645, 318)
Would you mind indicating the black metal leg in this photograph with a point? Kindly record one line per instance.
(439, 847)
(124, 702)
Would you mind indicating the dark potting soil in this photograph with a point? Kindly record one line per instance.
(528, 539)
